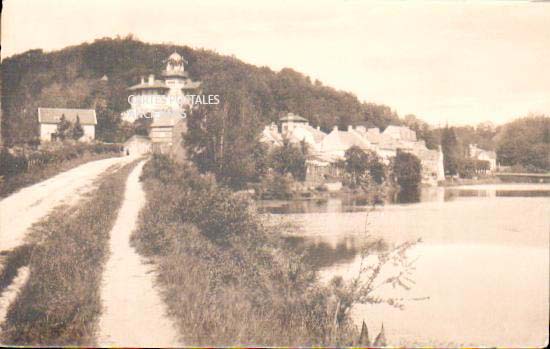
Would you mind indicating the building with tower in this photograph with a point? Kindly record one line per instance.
(166, 101)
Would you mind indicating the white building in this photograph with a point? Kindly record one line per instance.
(337, 142)
(48, 118)
(481, 154)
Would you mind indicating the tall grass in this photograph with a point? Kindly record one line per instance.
(228, 279)
(60, 303)
(12, 261)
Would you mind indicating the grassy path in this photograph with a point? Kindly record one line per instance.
(31, 204)
(65, 252)
(134, 313)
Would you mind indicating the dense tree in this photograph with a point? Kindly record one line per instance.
(289, 158)
(77, 131)
(63, 128)
(407, 170)
(360, 163)
(357, 163)
(423, 131)
(71, 78)
(526, 142)
(141, 126)
(224, 138)
(451, 150)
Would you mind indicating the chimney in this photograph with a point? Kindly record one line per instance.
(151, 79)
(142, 79)
(318, 128)
(350, 128)
(335, 128)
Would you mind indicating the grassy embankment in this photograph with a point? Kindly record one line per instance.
(60, 304)
(228, 279)
(18, 172)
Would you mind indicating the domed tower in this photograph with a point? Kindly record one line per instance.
(175, 66)
(178, 82)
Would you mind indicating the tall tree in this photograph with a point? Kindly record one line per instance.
(407, 170)
(224, 138)
(451, 150)
(289, 158)
(357, 163)
(77, 131)
(63, 127)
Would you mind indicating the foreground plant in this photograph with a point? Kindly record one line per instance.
(231, 280)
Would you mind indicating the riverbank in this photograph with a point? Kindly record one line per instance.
(454, 182)
(227, 278)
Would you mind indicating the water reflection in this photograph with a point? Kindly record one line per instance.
(361, 203)
(320, 254)
(478, 241)
(407, 196)
(313, 206)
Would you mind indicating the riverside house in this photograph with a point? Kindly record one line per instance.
(326, 151)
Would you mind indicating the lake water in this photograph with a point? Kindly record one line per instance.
(482, 273)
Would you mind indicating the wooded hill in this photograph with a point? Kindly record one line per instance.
(71, 78)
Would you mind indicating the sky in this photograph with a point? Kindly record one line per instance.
(455, 62)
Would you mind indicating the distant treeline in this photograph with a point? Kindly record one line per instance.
(71, 77)
(251, 97)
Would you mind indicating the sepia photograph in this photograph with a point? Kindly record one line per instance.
(244, 173)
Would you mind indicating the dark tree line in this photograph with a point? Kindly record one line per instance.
(71, 78)
(525, 143)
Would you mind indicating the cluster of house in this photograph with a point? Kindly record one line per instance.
(326, 150)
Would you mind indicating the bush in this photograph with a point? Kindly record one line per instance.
(275, 186)
(407, 170)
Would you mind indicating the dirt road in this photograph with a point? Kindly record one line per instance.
(134, 314)
(27, 206)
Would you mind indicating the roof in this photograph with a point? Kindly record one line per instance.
(53, 115)
(318, 135)
(476, 152)
(400, 132)
(175, 57)
(343, 140)
(292, 118)
(373, 135)
(146, 85)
